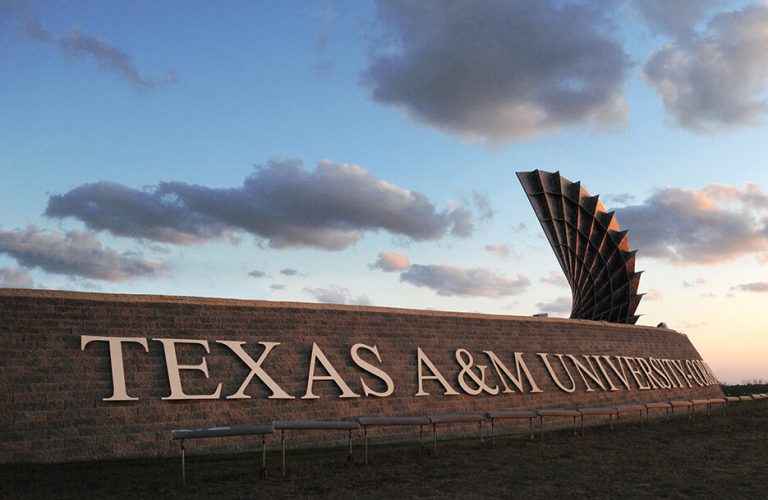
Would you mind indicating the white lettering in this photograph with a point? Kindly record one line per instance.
(590, 372)
(333, 375)
(422, 360)
(647, 370)
(119, 392)
(173, 367)
(621, 375)
(602, 370)
(636, 373)
(554, 376)
(373, 370)
(256, 369)
(502, 370)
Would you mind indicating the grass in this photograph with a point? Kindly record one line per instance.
(745, 388)
(716, 456)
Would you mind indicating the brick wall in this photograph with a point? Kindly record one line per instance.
(52, 393)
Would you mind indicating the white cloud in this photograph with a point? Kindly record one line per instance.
(391, 261)
(717, 78)
(556, 278)
(334, 294)
(758, 286)
(715, 224)
(695, 282)
(617, 199)
(496, 71)
(499, 250)
(280, 202)
(80, 45)
(653, 294)
(677, 17)
(13, 277)
(560, 306)
(292, 273)
(465, 282)
(74, 253)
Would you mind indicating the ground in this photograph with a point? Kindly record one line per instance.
(716, 456)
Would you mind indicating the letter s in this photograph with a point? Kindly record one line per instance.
(373, 370)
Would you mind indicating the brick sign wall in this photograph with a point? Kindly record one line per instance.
(90, 376)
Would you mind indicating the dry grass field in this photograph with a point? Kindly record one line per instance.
(716, 456)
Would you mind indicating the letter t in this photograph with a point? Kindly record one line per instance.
(119, 392)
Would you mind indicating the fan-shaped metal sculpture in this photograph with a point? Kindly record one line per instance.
(593, 253)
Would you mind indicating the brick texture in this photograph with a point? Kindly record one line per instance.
(51, 391)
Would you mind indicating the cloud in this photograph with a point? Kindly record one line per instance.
(696, 282)
(500, 250)
(323, 18)
(677, 18)
(555, 278)
(257, 274)
(617, 199)
(758, 286)
(13, 277)
(751, 196)
(464, 282)
(276, 287)
(483, 205)
(391, 261)
(653, 294)
(718, 223)
(561, 305)
(717, 78)
(280, 202)
(334, 294)
(291, 272)
(78, 45)
(74, 253)
(497, 71)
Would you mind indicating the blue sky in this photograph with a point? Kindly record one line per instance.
(365, 152)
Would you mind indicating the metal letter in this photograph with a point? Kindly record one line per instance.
(590, 372)
(664, 380)
(655, 384)
(543, 356)
(373, 370)
(694, 372)
(256, 369)
(502, 370)
(422, 359)
(602, 370)
(466, 361)
(173, 367)
(333, 375)
(635, 372)
(119, 392)
(678, 364)
(622, 375)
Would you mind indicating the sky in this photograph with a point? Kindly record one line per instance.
(365, 152)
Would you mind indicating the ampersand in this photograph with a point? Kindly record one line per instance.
(467, 362)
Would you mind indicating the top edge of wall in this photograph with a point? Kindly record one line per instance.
(231, 302)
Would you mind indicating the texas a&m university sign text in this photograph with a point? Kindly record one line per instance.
(89, 376)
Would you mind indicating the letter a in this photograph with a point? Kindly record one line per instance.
(317, 355)
(422, 359)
